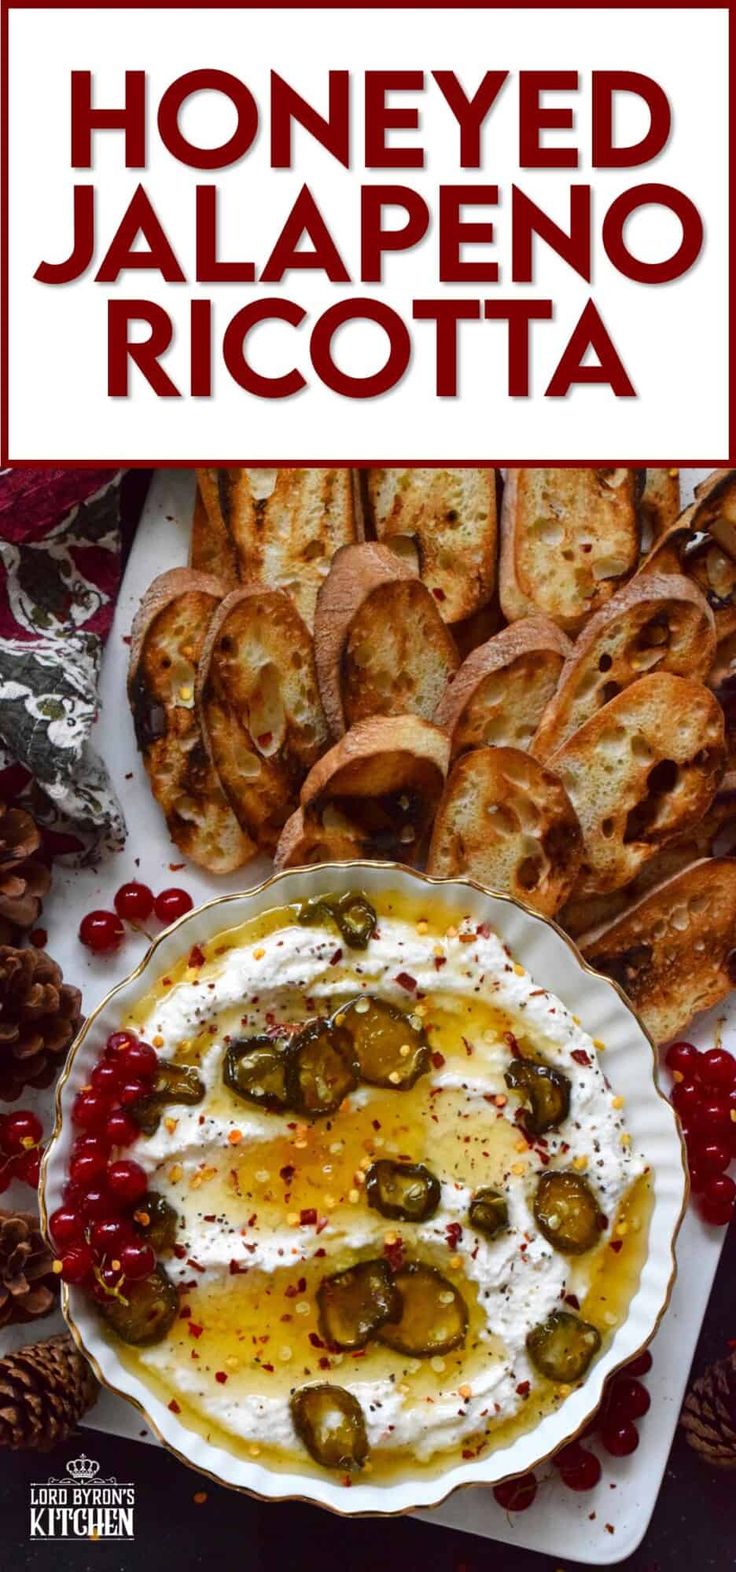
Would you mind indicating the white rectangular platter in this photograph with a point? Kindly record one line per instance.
(602, 1526)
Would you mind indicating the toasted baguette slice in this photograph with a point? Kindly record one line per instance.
(260, 708)
(569, 537)
(449, 517)
(507, 821)
(673, 953)
(377, 789)
(500, 692)
(656, 623)
(380, 643)
(305, 841)
(167, 638)
(211, 548)
(286, 525)
(641, 770)
(659, 504)
(716, 507)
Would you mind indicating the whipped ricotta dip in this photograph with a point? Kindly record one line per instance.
(269, 1203)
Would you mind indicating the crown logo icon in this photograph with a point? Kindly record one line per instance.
(82, 1469)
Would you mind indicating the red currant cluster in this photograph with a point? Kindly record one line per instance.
(626, 1400)
(20, 1148)
(704, 1095)
(94, 1229)
(102, 931)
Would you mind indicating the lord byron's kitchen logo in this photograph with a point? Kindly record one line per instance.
(82, 1506)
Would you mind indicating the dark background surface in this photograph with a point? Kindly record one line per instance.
(694, 1523)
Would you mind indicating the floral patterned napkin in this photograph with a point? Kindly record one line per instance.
(60, 567)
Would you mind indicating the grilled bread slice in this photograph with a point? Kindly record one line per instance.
(380, 643)
(167, 639)
(569, 538)
(286, 526)
(500, 692)
(659, 504)
(445, 520)
(211, 548)
(659, 622)
(673, 952)
(507, 821)
(644, 768)
(305, 841)
(260, 708)
(377, 789)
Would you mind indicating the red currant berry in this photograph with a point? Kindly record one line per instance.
(687, 1098)
(713, 1116)
(137, 1260)
(584, 1474)
(134, 901)
(76, 1264)
(620, 1438)
(112, 1279)
(101, 932)
(20, 1131)
(117, 1042)
(66, 1227)
(28, 1166)
(698, 1178)
(90, 1110)
(683, 1057)
(86, 1168)
(140, 1059)
(127, 1181)
(641, 1365)
(105, 1077)
(131, 1092)
(170, 904)
(70, 1194)
(717, 1069)
(516, 1495)
(716, 1201)
(712, 1156)
(98, 1203)
(89, 1143)
(109, 1234)
(628, 1399)
(120, 1130)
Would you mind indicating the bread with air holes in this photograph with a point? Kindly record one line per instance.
(167, 639)
(644, 768)
(673, 952)
(659, 504)
(659, 622)
(377, 790)
(499, 694)
(260, 707)
(211, 547)
(569, 539)
(381, 646)
(445, 520)
(507, 821)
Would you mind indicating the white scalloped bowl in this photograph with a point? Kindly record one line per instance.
(555, 964)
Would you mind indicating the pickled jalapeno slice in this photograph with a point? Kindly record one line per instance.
(255, 1069)
(488, 1212)
(354, 1303)
(406, 1191)
(390, 1050)
(563, 1346)
(434, 1315)
(146, 1310)
(172, 1083)
(330, 1422)
(352, 914)
(546, 1093)
(567, 1212)
(156, 1221)
(321, 1069)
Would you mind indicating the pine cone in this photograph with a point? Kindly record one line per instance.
(709, 1415)
(39, 1017)
(44, 1390)
(28, 1286)
(24, 880)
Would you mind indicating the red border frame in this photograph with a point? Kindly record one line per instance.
(384, 5)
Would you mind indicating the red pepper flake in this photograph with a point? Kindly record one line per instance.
(467, 1453)
(316, 1341)
(483, 930)
(394, 1254)
(294, 1289)
(165, 982)
(38, 937)
(376, 1124)
(174, 1406)
(184, 1313)
(359, 1353)
(324, 1363)
(580, 1056)
(265, 739)
(453, 1235)
(438, 593)
(405, 980)
(252, 1220)
(573, 1301)
(196, 956)
(512, 1044)
(287, 1173)
(307, 1217)
(616, 1245)
(237, 1268)
(221, 1376)
(319, 1253)
(180, 1252)
(438, 1059)
(176, 867)
(439, 962)
(194, 1264)
(195, 1330)
(522, 1389)
(336, 957)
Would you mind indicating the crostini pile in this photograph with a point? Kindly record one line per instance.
(530, 682)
